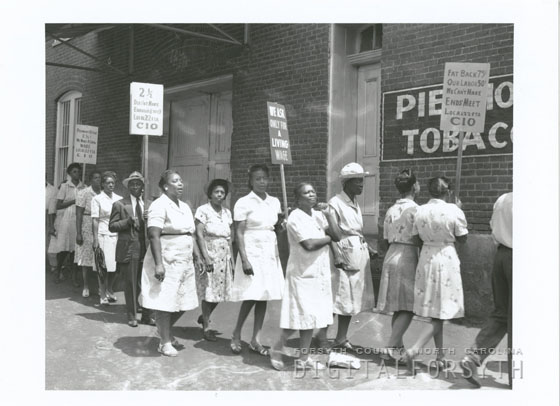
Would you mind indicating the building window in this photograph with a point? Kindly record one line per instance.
(68, 115)
(371, 38)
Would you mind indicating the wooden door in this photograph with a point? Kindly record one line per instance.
(368, 125)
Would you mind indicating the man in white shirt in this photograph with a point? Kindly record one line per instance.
(499, 322)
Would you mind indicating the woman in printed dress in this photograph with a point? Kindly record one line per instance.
(438, 289)
(396, 291)
(213, 232)
(101, 206)
(258, 274)
(307, 301)
(65, 224)
(84, 237)
(168, 274)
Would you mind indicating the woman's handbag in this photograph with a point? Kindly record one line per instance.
(348, 253)
(100, 264)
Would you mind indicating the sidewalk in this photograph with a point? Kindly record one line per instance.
(89, 347)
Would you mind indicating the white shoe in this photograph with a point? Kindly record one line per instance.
(85, 292)
(167, 350)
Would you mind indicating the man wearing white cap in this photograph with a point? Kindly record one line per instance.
(128, 219)
(351, 279)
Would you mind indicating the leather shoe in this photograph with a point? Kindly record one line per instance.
(149, 321)
(133, 323)
(470, 371)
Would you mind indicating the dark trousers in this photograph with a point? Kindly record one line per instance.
(500, 321)
(127, 270)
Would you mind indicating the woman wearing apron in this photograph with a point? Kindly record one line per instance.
(258, 274)
(168, 274)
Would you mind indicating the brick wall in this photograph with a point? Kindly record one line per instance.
(285, 63)
(414, 55)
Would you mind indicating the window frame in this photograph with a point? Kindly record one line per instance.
(74, 117)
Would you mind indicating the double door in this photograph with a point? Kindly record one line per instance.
(199, 128)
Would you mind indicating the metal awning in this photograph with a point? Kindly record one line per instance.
(65, 32)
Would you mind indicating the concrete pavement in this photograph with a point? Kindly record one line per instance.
(90, 347)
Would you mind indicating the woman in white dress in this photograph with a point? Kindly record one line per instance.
(213, 232)
(396, 291)
(307, 301)
(84, 237)
(101, 206)
(258, 274)
(438, 289)
(64, 244)
(168, 273)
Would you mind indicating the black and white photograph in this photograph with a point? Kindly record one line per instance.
(319, 200)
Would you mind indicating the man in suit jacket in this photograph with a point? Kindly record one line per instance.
(128, 218)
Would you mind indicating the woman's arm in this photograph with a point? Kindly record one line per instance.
(95, 228)
(314, 244)
(240, 231)
(201, 243)
(461, 239)
(61, 204)
(334, 230)
(79, 220)
(154, 234)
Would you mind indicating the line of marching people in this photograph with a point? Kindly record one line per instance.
(175, 261)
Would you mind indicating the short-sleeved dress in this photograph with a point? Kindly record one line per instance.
(84, 252)
(177, 292)
(352, 291)
(216, 286)
(307, 301)
(101, 206)
(261, 247)
(396, 290)
(438, 290)
(65, 223)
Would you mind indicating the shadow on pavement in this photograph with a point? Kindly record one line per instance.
(141, 346)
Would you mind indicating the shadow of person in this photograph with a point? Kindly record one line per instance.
(141, 346)
(117, 317)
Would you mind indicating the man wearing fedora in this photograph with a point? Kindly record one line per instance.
(128, 219)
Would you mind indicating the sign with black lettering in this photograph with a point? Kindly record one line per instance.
(412, 118)
(279, 138)
(464, 96)
(85, 144)
(146, 109)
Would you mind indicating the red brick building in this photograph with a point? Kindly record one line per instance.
(343, 87)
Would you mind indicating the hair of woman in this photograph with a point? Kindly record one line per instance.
(405, 181)
(108, 174)
(439, 186)
(214, 184)
(72, 166)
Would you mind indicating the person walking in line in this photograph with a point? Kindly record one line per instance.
(168, 274)
(50, 217)
(101, 206)
(128, 219)
(500, 319)
(65, 224)
(307, 301)
(258, 274)
(396, 290)
(352, 283)
(214, 236)
(438, 289)
(84, 236)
